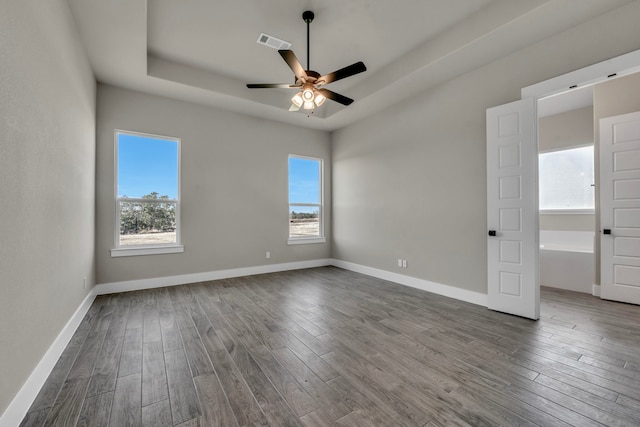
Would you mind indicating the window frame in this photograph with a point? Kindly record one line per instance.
(314, 239)
(568, 211)
(157, 248)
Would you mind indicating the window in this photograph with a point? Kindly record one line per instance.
(147, 194)
(566, 180)
(305, 200)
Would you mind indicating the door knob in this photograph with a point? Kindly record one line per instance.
(606, 231)
(492, 233)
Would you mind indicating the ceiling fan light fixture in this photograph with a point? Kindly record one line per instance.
(297, 100)
(307, 94)
(319, 99)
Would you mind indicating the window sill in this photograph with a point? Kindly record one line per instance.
(304, 241)
(146, 250)
(567, 211)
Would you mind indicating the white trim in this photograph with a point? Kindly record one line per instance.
(567, 211)
(23, 400)
(305, 240)
(619, 66)
(146, 250)
(158, 282)
(595, 290)
(142, 200)
(425, 285)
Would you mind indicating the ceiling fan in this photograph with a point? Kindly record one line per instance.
(310, 82)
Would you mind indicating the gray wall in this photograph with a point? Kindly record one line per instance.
(47, 188)
(233, 186)
(568, 129)
(410, 182)
(563, 131)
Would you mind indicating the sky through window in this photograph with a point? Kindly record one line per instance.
(147, 164)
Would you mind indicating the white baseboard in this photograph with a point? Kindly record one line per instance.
(595, 290)
(159, 282)
(22, 401)
(425, 285)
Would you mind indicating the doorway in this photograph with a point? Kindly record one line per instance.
(566, 186)
(521, 296)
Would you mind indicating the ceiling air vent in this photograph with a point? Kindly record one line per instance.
(273, 42)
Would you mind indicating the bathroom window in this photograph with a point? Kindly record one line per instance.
(566, 180)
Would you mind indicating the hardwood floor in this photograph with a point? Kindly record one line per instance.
(326, 346)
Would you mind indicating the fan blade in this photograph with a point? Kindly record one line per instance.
(335, 96)
(342, 73)
(270, 85)
(293, 63)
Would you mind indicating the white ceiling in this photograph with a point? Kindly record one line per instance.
(205, 51)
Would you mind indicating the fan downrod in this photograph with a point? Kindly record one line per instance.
(308, 16)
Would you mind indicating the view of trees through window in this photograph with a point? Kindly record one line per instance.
(148, 222)
(304, 224)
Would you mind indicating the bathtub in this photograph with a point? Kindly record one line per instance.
(567, 260)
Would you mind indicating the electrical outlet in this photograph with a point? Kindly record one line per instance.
(400, 262)
(84, 282)
(267, 255)
(404, 263)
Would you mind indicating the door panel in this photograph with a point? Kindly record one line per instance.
(512, 208)
(620, 208)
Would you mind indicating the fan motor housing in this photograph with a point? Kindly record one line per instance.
(312, 76)
(308, 16)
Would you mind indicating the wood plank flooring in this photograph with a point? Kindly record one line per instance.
(329, 347)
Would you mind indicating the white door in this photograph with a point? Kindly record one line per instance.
(512, 209)
(620, 208)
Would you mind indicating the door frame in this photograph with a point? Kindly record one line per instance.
(619, 66)
(623, 65)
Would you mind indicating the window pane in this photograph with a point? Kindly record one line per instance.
(147, 165)
(566, 179)
(304, 221)
(304, 180)
(147, 223)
